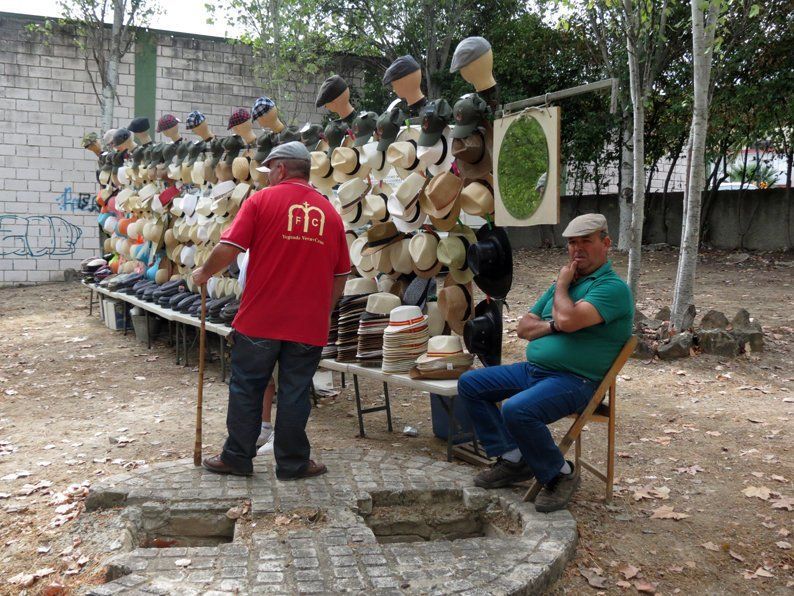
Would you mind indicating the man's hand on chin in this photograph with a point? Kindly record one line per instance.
(566, 275)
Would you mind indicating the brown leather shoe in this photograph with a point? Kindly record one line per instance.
(215, 464)
(312, 470)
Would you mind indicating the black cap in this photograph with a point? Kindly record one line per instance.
(216, 149)
(403, 66)
(388, 126)
(137, 155)
(435, 117)
(363, 127)
(232, 145)
(138, 125)
(182, 151)
(264, 145)
(312, 135)
(120, 136)
(335, 133)
(289, 134)
(331, 88)
(169, 151)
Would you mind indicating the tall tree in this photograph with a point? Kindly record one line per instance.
(288, 39)
(88, 20)
(704, 23)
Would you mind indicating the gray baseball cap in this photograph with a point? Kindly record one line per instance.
(468, 51)
(291, 150)
(586, 224)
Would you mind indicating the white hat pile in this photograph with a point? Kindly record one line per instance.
(405, 339)
(371, 325)
(351, 307)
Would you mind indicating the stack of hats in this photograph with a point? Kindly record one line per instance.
(329, 351)
(444, 359)
(371, 326)
(405, 339)
(351, 307)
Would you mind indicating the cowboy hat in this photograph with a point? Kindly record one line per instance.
(347, 164)
(400, 256)
(375, 207)
(456, 303)
(375, 160)
(352, 192)
(423, 248)
(476, 198)
(441, 195)
(402, 152)
(438, 157)
(452, 252)
(483, 333)
(362, 263)
(491, 261)
(381, 235)
(359, 286)
(473, 155)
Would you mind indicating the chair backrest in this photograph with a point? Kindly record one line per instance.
(609, 378)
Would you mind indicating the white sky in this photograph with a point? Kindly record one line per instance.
(188, 16)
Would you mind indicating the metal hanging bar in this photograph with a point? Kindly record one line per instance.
(538, 100)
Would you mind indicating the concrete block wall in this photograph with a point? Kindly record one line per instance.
(47, 103)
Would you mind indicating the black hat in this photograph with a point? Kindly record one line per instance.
(469, 112)
(289, 134)
(169, 150)
(195, 149)
(118, 159)
(331, 88)
(335, 133)
(137, 155)
(435, 117)
(216, 149)
(139, 125)
(491, 260)
(182, 151)
(363, 127)
(483, 333)
(312, 135)
(388, 126)
(120, 136)
(232, 145)
(264, 144)
(403, 66)
(157, 154)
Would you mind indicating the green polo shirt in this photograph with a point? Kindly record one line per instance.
(588, 352)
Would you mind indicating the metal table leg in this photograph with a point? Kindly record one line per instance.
(361, 432)
(90, 301)
(343, 379)
(388, 406)
(148, 331)
(222, 354)
(453, 427)
(184, 345)
(124, 320)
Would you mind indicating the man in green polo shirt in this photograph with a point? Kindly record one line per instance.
(575, 331)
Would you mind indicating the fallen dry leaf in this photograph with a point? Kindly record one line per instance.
(783, 502)
(629, 571)
(783, 544)
(760, 492)
(666, 512)
(645, 587)
(710, 546)
(623, 584)
(736, 556)
(593, 576)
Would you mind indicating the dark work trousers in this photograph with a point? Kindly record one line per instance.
(253, 361)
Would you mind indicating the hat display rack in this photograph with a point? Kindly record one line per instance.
(400, 179)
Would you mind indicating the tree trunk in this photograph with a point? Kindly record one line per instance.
(112, 79)
(638, 170)
(702, 39)
(626, 177)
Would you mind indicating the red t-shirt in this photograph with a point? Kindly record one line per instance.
(296, 243)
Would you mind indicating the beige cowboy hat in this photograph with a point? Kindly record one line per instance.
(446, 349)
(456, 303)
(423, 248)
(347, 164)
(438, 157)
(381, 260)
(400, 256)
(197, 171)
(452, 252)
(241, 168)
(476, 198)
(402, 152)
(359, 285)
(375, 207)
(441, 194)
(446, 223)
(362, 263)
(382, 303)
(354, 216)
(380, 236)
(321, 174)
(435, 320)
(473, 155)
(352, 192)
(380, 168)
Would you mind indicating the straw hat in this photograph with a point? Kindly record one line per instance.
(381, 303)
(374, 159)
(358, 286)
(405, 318)
(473, 155)
(321, 169)
(441, 194)
(446, 223)
(362, 263)
(447, 349)
(381, 235)
(347, 164)
(452, 252)
(435, 320)
(381, 260)
(241, 168)
(352, 192)
(423, 249)
(476, 198)
(400, 256)
(402, 152)
(375, 207)
(438, 157)
(456, 303)
(354, 216)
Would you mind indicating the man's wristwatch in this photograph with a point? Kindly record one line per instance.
(553, 327)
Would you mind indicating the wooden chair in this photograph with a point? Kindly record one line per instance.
(596, 411)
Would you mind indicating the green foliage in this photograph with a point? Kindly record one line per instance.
(523, 164)
(761, 174)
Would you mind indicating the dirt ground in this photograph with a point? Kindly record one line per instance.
(705, 440)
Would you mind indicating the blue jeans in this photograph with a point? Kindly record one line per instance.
(253, 361)
(532, 398)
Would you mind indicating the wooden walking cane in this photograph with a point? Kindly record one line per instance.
(200, 400)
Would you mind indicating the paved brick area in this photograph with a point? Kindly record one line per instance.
(342, 555)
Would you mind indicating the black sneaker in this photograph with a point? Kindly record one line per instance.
(558, 493)
(503, 473)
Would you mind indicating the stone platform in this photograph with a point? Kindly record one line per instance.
(340, 553)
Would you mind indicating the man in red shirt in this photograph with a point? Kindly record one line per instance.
(297, 270)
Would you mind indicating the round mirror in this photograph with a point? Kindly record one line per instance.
(523, 163)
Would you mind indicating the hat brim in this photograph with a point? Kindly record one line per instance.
(490, 353)
(428, 139)
(371, 250)
(461, 131)
(496, 281)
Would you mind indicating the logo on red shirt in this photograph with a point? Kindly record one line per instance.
(302, 214)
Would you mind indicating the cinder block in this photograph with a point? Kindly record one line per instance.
(15, 276)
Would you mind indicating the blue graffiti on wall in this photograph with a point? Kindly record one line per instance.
(69, 201)
(37, 236)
